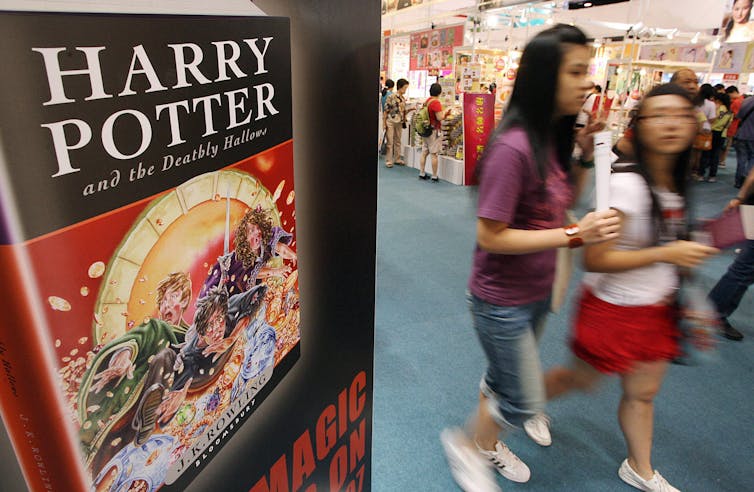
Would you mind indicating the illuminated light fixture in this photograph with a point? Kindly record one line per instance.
(695, 39)
(597, 43)
(587, 5)
(550, 21)
(492, 21)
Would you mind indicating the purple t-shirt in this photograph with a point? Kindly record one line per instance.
(511, 191)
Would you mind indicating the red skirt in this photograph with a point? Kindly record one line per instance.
(612, 338)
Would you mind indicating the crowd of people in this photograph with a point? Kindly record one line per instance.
(395, 118)
(636, 253)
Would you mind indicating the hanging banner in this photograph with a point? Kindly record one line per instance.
(478, 123)
(399, 58)
(433, 49)
(737, 26)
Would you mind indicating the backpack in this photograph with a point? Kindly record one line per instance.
(422, 124)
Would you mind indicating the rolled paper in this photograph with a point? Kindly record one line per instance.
(602, 165)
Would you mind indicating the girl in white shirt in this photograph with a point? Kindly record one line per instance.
(626, 320)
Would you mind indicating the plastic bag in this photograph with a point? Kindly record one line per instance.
(699, 323)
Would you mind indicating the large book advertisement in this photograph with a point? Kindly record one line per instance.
(148, 242)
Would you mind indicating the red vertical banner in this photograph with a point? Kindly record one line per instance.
(478, 123)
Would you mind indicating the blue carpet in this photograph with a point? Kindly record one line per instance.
(428, 364)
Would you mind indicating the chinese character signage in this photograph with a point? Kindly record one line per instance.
(478, 123)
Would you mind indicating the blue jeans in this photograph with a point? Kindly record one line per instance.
(744, 159)
(731, 287)
(513, 382)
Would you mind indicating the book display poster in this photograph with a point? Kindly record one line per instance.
(433, 49)
(730, 58)
(148, 243)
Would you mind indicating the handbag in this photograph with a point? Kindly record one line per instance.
(702, 141)
(383, 145)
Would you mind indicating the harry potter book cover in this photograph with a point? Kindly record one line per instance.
(148, 243)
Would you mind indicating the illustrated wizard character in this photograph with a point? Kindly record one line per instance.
(119, 405)
(257, 241)
(116, 381)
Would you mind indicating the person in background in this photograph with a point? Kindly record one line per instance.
(726, 295)
(711, 159)
(743, 142)
(394, 116)
(389, 84)
(525, 188)
(719, 88)
(626, 322)
(588, 108)
(735, 106)
(738, 29)
(706, 113)
(432, 145)
(684, 78)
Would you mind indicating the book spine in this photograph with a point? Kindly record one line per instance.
(39, 427)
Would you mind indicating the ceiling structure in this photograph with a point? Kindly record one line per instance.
(500, 23)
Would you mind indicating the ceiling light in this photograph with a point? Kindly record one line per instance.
(695, 39)
(587, 4)
(492, 21)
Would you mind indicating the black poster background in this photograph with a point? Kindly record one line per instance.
(335, 62)
(24, 89)
(335, 67)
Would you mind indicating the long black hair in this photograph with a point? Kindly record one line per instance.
(532, 103)
(680, 170)
(389, 84)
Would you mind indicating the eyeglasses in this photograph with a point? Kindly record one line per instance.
(666, 119)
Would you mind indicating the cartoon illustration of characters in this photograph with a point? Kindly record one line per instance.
(256, 243)
(128, 368)
(151, 388)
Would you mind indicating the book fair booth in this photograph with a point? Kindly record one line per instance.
(472, 49)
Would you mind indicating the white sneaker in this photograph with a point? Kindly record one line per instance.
(656, 484)
(538, 428)
(470, 471)
(508, 464)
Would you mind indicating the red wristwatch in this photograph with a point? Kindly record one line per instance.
(572, 231)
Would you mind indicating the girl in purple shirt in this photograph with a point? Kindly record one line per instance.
(526, 185)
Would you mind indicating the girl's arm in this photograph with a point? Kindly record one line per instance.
(604, 258)
(496, 237)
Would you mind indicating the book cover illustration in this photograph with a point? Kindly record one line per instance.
(163, 262)
(185, 328)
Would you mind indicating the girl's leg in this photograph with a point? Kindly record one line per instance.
(580, 376)
(484, 429)
(636, 413)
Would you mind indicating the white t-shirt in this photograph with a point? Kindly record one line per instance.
(583, 117)
(650, 284)
(710, 113)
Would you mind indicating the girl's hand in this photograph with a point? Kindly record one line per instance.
(687, 254)
(597, 227)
